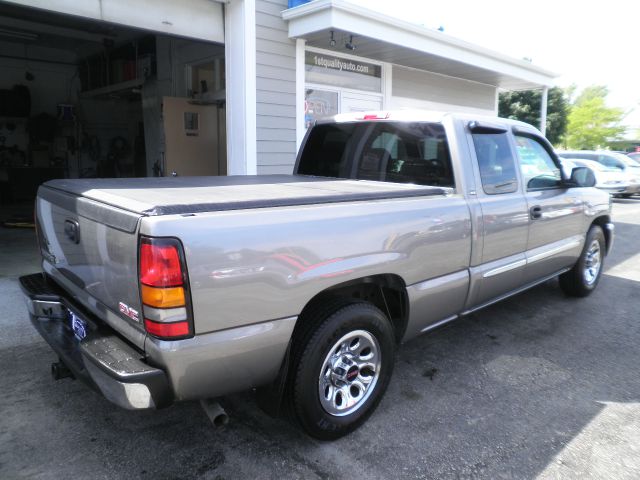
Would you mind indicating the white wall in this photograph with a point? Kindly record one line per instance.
(275, 89)
(419, 89)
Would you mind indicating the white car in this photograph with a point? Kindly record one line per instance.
(609, 179)
(629, 168)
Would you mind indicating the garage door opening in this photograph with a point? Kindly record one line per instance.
(83, 98)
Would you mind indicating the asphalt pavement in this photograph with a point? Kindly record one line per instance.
(538, 386)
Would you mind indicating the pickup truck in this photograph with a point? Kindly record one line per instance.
(303, 286)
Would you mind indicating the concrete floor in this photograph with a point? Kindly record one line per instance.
(539, 386)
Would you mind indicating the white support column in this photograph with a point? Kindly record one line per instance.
(543, 110)
(300, 96)
(240, 72)
(387, 87)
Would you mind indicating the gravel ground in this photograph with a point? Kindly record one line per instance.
(538, 386)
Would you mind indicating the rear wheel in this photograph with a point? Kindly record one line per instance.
(583, 278)
(341, 369)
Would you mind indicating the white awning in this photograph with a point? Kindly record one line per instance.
(387, 39)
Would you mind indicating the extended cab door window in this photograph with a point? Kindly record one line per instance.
(496, 163)
(538, 168)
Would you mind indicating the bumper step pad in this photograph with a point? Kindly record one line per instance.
(103, 360)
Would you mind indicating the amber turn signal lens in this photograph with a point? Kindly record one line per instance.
(163, 297)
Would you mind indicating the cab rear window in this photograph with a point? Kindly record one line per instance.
(416, 152)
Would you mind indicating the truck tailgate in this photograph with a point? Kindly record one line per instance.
(91, 248)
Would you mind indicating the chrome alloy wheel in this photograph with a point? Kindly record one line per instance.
(592, 263)
(349, 373)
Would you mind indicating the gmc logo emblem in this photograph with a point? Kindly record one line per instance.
(72, 230)
(128, 311)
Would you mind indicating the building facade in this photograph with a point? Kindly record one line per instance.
(232, 86)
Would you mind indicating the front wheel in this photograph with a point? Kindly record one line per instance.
(583, 278)
(342, 369)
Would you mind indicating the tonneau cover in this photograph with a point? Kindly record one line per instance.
(182, 195)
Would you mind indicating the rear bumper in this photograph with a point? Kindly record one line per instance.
(102, 359)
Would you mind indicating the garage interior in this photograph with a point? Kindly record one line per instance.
(83, 98)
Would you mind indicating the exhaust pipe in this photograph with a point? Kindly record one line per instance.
(59, 371)
(215, 412)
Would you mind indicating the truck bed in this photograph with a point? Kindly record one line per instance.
(183, 195)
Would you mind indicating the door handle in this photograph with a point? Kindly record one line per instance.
(536, 212)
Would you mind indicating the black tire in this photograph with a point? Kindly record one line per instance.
(325, 326)
(577, 282)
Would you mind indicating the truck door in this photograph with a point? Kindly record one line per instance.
(555, 211)
(504, 220)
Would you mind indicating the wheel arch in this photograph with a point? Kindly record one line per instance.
(604, 222)
(388, 292)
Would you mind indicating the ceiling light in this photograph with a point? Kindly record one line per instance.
(349, 45)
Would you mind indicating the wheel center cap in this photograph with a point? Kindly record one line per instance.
(343, 370)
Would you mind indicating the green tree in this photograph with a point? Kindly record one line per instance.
(525, 106)
(592, 124)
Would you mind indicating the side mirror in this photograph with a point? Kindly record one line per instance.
(582, 177)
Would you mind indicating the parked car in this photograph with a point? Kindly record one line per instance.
(158, 290)
(610, 179)
(635, 156)
(614, 160)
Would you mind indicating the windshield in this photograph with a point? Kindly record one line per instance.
(596, 166)
(623, 159)
(631, 162)
(398, 152)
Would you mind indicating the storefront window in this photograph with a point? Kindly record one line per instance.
(328, 69)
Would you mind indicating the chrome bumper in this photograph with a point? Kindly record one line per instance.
(102, 359)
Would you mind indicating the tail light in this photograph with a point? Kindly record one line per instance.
(164, 289)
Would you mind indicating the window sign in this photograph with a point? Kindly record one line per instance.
(342, 72)
(318, 104)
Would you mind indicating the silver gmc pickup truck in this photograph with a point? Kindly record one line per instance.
(303, 286)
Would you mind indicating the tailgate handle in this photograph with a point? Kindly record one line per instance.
(72, 230)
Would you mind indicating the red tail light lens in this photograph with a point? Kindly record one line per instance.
(160, 264)
(167, 330)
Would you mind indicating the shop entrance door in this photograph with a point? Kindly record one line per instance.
(194, 138)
